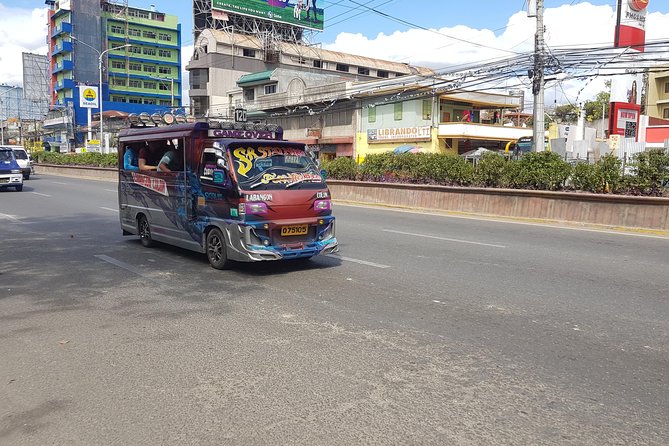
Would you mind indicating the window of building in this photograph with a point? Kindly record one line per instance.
(134, 101)
(148, 34)
(398, 111)
(427, 110)
(665, 113)
(371, 114)
(270, 89)
(119, 81)
(666, 87)
(317, 64)
(119, 65)
(342, 67)
(247, 52)
(118, 99)
(381, 73)
(149, 85)
(165, 86)
(133, 83)
(117, 29)
(164, 102)
(164, 37)
(133, 66)
(149, 68)
(150, 101)
(135, 50)
(199, 78)
(149, 51)
(363, 71)
(134, 32)
(164, 70)
(165, 53)
(249, 94)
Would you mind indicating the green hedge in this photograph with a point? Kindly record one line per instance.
(91, 159)
(538, 171)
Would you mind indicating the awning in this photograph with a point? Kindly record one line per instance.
(249, 80)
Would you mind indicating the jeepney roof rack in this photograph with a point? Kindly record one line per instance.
(145, 119)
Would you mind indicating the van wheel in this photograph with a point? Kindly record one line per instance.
(19, 188)
(216, 249)
(144, 231)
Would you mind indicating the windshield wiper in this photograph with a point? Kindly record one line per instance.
(301, 180)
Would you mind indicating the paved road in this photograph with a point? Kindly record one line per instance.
(427, 329)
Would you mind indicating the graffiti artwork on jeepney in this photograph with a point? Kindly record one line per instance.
(261, 158)
(155, 184)
(272, 178)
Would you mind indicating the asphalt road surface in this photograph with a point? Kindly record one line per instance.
(426, 329)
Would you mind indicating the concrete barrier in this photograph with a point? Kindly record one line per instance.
(620, 211)
(594, 209)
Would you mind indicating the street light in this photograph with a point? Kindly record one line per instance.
(100, 56)
(2, 126)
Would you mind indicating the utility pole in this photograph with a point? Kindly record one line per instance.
(538, 81)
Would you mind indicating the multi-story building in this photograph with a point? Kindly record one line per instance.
(139, 51)
(658, 94)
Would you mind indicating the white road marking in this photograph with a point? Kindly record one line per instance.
(361, 262)
(445, 238)
(58, 182)
(42, 195)
(10, 217)
(109, 209)
(111, 190)
(125, 266)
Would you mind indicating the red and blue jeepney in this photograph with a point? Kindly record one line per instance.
(241, 193)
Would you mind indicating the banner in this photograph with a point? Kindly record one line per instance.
(303, 13)
(631, 24)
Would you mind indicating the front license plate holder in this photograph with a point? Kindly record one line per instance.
(292, 230)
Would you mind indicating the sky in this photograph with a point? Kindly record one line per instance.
(417, 32)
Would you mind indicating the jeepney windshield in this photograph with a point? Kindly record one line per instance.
(271, 167)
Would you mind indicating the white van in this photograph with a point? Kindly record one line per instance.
(10, 173)
(23, 160)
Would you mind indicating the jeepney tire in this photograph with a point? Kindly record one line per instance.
(216, 250)
(19, 188)
(144, 231)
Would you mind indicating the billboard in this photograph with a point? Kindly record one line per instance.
(626, 88)
(631, 24)
(88, 96)
(624, 120)
(303, 13)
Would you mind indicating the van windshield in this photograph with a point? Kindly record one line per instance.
(20, 154)
(270, 167)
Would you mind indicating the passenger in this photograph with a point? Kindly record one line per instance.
(130, 160)
(148, 158)
(172, 161)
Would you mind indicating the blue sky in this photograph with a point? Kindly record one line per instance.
(397, 32)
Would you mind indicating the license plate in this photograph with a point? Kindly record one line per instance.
(294, 230)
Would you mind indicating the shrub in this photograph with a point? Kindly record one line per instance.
(490, 169)
(341, 168)
(651, 169)
(375, 166)
(542, 170)
(584, 177)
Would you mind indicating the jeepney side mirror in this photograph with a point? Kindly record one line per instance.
(222, 163)
(324, 174)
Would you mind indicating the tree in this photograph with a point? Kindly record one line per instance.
(566, 113)
(594, 108)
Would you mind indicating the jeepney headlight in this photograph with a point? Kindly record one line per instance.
(255, 208)
(322, 205)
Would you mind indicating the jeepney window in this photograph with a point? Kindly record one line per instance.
(214, 166)
(269, 167)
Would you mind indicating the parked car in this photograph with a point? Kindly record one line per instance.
(23, 159)
(10, 172)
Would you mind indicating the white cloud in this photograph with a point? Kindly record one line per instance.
(582, 24)
(21, 30)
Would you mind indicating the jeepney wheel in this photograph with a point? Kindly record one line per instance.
(144, 231)
(216, 249)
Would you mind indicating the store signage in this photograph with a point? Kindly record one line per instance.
(399, 134)
(88, 96)
(631, 24)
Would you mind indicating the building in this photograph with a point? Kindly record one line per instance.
(139, 51)
(657, 100)
(222, 57)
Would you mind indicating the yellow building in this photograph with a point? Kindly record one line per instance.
(657, 98)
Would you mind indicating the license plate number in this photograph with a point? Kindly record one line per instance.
(294, 230)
